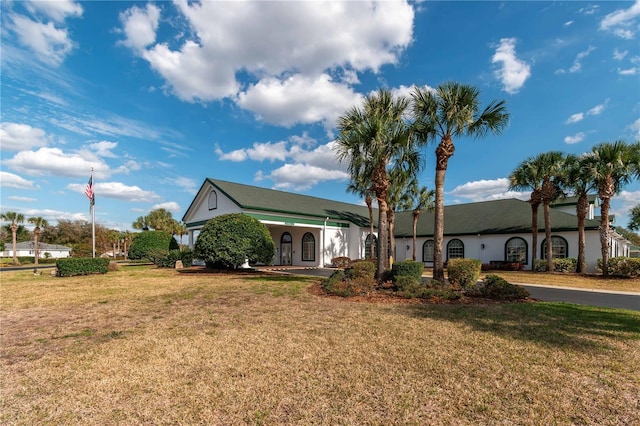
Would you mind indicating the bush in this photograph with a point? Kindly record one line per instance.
(496, 287)
(342, 284)
(628, 267)
(464, 272)
(341, 262)
(151, 245)
(70, 266)
(501, 265)
(410, 287)
(362, 269)
(407, 268)
(230, 239)
(170, 258)
(559, 265)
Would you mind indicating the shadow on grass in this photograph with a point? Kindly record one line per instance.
(557, 324)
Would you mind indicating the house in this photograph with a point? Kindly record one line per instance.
(25, 249)
(310, 231)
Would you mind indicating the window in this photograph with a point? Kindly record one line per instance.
(455, 249)
(308, 247)
(516, 250)
(213, 200)
(367, 247)
(559, 248)
(427, 251)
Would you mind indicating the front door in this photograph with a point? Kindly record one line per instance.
(285, 249)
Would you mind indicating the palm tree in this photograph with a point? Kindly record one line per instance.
(399, 195)
(39, 223)
(360, 186)
(142, 222)
(180, 229)
(577, 181)
(16, 219)
(550, 166)
(452, 110)
(161, 220)
(422, 199)
(612, 167)
(526, 176)
(634, 224)
(373, 139)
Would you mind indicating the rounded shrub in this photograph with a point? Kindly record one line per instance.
(230, 239)
(407, 268)
(151, 245)
(464, 272)
(496, 287)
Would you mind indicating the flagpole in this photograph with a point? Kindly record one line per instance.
(93, 219)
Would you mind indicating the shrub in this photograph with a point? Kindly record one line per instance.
(496, 287)
(342, 284)
(559, 265)
(151, 245)
(628, 267)
(70, 266)
(341, 262)
(170, 258)
(410, 287)
(230, 239)
(503, 265)
(464, 272)
(407, 268)
(363, 269)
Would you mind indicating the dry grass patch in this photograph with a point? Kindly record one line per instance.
(149, 346)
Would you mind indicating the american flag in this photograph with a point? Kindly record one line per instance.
(88, 191)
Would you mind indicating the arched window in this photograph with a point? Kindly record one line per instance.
(516, 250)
(427, 251)
(455, 249)
(367, 247)
(213, 200)
(308, 247)
(559, 248)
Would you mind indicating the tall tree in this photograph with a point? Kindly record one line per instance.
(162, 220)
(373, 139)
(634, 224)
(526, 176)
(142, 223)
(15, 220)
(361, 186)
(399, 195)
(451, 110)
(577, 182)
(550, 166)
(39, 223)
(614, 165)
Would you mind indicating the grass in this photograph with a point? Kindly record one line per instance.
(149, 346)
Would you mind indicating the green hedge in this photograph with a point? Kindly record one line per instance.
(464, 272)
(151, 245)
(496, 287)
(568, 264)
(407, 268)
(626, 267)
(70, 266)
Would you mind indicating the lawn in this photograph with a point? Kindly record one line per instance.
(150, 346)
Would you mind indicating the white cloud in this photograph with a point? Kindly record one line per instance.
(622, 21)
(52, 216)
(53, 161)
(513, 72)
(635, 126)
(300, 177)
(628, 71)
(10, 180)
(23, 199)
(575, 118)
(185, 183)
(119, 191)
(287, 102)
(578, 137)
(589, 10)
(58, 10)
(305, 41)
(618, 55)
(171, 206)
(577, 63)
(103, 148)
(140, 26)
(17, 137)
(50, 44)
(484, 190)
(568, 23)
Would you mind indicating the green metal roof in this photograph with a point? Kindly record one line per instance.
(270, 200)
(487, 217)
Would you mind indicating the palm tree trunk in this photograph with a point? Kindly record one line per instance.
(383, 236)
(415, 228)
(438, 227)
(14, 238)
(391, 214)
(534, 235)
(369, 202)
(36, 231)
(547, 233)
(604, 235)
(581, 210)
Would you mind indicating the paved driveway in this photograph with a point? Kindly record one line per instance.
(620, 300)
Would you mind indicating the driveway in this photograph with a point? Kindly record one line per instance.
(605, 299)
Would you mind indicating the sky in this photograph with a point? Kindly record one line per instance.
(157, 96)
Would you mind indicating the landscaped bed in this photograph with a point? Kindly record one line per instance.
(152, 346)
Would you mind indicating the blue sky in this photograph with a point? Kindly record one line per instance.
(157, 96)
